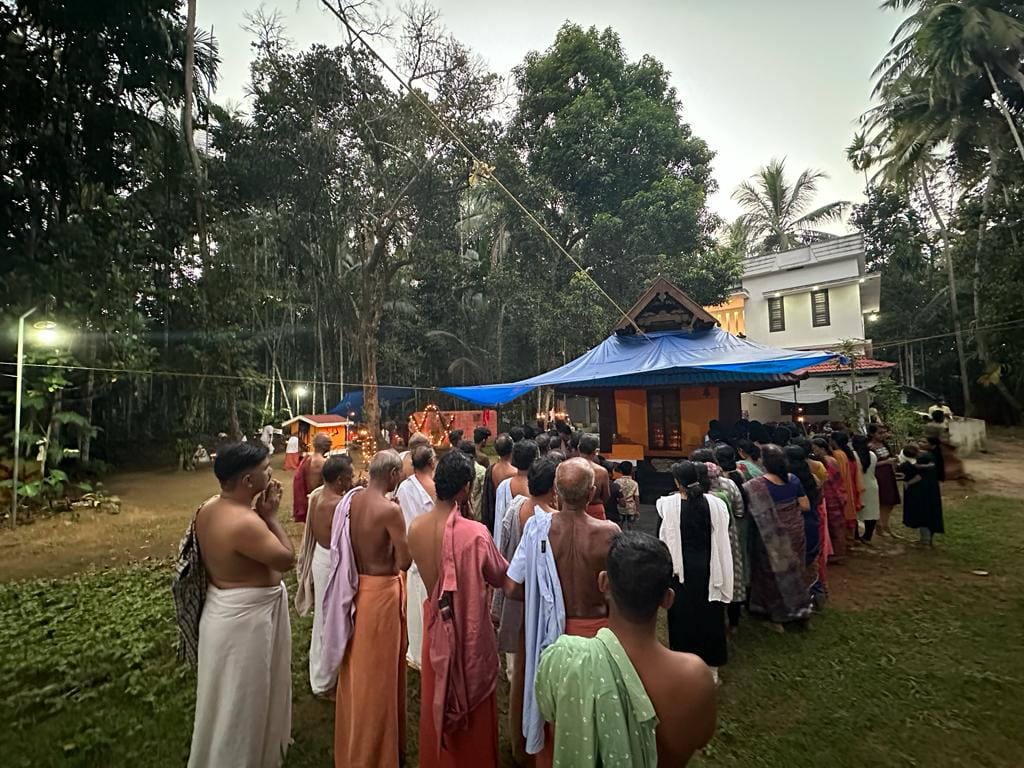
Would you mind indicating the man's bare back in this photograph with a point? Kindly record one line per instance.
(580, 546)
(312, 471)
(378, 534)
(519, 485)
(241, 546)
(502, 471)
(602, 483)
(425, 535)
(682, 691)
(321, 515)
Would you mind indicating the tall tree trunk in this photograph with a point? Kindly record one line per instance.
(85, 437)
(234, 430)
(1001, 103)
(368, 359)
(981, 335)
(954, 303)
(979, 248)
(187, 130)
(501, 338)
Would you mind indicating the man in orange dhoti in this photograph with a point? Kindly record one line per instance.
(364, 623)
(459, 667)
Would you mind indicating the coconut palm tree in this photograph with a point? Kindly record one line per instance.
(861, 155)
(944, 82)
(956, 50)
(778, 213)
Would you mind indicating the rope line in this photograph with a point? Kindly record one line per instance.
(479, 164)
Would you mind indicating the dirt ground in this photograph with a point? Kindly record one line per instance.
(157, 505)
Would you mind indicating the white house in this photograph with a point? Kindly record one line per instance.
(814, 297)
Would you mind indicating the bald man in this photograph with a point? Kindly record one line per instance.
(560, 554)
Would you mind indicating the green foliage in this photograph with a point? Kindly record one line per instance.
(89, 675)
(901, 421)
(609, 163)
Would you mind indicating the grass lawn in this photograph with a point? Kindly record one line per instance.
(916, 662)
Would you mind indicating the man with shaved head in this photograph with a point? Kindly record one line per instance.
(555, 570)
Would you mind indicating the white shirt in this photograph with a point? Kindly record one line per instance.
(413, 498)
(293, 445)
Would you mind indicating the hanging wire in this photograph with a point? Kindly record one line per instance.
(254, 379)
(967, 332)
(261, 379)
(488, 171)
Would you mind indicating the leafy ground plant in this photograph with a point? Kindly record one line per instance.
(914, 663)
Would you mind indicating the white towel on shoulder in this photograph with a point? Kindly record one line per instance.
(720, 581)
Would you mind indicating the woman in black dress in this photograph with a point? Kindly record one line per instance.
(922, 494)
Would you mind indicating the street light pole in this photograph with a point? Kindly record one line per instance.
(17, 415)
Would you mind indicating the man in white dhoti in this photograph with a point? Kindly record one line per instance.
(315, 564)
(243, 692)
(416, 497)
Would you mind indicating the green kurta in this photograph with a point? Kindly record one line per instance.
(601, 713)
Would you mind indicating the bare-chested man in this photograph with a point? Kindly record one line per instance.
(562, 553)
(243, 692)
(678, 691)
(496, 473)
(416, 439)
(523, 454)
(589, 445)
(416, 497)
(337, 475)
(369, 723)
(458, 561)
(309, 476)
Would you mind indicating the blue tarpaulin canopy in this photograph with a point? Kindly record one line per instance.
(710, 356)
(353, 401)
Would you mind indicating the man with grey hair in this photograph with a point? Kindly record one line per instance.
(416, 439)
(559, 556)
(364, 622)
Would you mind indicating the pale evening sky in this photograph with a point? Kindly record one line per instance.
(757, 79)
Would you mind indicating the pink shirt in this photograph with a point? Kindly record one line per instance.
(463, 646)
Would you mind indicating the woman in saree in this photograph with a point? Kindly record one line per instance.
(777, 503)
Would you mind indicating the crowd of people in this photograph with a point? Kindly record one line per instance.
(532, 565)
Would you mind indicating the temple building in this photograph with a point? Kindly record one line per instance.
(665, 371)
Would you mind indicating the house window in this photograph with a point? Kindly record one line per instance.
(776, 315)
(664, 427)
(819, 309)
